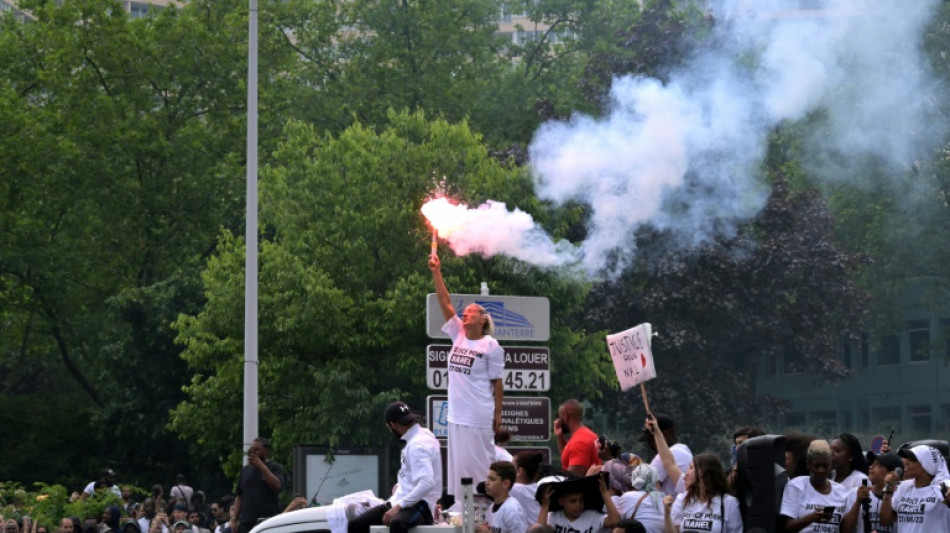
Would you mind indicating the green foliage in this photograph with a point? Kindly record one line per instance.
(119, 163)
(781, 286)
(343, 280)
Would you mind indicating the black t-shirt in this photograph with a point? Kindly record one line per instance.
(257, 499)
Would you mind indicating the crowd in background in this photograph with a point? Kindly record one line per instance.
(833, 485)
(181, 510)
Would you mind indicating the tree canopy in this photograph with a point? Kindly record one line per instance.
(121, 184)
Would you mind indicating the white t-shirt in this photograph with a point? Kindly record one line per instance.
(508, 517)
(588, 522)
(650, 513)
(920, 510)
(853, 480)
(472, 366)
(525, 494)
(717, 516)
(182, 491)
(501, 454)
(91, 487)
(800, 499)
(683, 456)
(874, 512)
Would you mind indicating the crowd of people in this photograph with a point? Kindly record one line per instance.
(828, 486)
(182, 510)
(831, 486)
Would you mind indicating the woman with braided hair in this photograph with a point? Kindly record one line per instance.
(848, 462)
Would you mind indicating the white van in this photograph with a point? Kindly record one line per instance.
(308, 520)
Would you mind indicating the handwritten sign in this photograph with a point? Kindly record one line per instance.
(632, 356)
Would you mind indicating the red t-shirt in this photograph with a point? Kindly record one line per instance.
(581, 450)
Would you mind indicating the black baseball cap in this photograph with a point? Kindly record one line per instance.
(400, 413)
(889, 461)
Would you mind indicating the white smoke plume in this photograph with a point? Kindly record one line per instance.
(684, 155)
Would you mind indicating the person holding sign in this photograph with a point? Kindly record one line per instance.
(476, 368)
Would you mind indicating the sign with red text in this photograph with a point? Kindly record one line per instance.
(632, 356)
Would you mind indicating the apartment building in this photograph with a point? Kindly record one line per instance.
(901, 381)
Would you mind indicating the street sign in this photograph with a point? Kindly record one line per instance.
(527, 419)
(527, 368)
(517, 318)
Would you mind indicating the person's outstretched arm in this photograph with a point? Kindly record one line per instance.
(663, 450)
(445, 301)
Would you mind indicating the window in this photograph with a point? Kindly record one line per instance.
(794, 420)
(919, 417)
(793, 362)
(825, 421)
(943, 423)
(505, 13)
(855, 353)
(945, 334)
(890, 352)
(918, 337)
(887, 416)
(865, 352)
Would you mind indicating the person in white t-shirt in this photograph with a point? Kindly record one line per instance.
(505, 515)
(706, 506)
(645, 502)
(847, 461)
(476, 365)
(501, 440)
(863, 505)
(672, 457)
(572, 512)
(527, 471)
(920, 503)
(814, 503)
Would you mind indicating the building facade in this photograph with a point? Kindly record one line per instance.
(900, 382)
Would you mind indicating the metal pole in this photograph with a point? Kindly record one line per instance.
(250, 259)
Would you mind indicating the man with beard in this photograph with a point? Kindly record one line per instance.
(258, 487)
(577, 443)
(420, 477)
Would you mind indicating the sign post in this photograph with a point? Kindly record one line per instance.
(527, 419)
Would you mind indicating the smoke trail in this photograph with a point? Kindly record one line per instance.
(683, 155)
(491, 229)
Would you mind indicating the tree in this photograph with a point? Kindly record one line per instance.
(343, 281)
(120, 164)
(780, 287)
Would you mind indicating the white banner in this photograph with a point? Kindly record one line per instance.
(632, 356)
